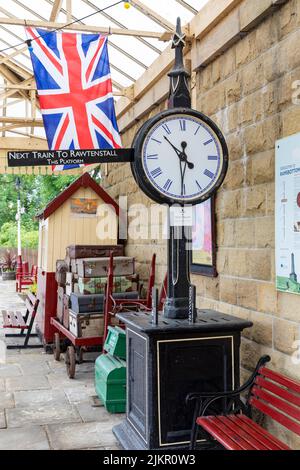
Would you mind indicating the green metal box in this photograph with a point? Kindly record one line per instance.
(110, 382)
(115, 343)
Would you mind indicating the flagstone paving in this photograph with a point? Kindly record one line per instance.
(40, 407)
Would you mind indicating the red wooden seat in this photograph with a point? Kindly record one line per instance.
(238, 432)
(15, 320)
(273, 394)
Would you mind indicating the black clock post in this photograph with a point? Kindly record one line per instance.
(185, 350)
(180, 238)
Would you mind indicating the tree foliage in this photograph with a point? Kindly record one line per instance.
(36, 192)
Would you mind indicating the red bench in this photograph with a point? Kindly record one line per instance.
(15, 320)
(273, 394)
(26, 279)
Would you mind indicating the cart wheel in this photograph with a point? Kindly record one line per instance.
(56, 347)
(70, 360)
(80, 355)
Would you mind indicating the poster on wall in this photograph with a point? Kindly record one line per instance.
(82, 207)
(287, 208)
(203, 254)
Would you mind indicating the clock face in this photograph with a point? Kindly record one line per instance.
(183, 157)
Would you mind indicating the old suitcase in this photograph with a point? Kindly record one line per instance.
(93, 251)
(110, 382)
(96, 285)
(115, 343)
(95, 303)
(60, 303)
(69, 283)
(98, 267)
(60, 273)
(66, 311)
(86, 325)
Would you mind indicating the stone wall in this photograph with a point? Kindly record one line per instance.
(248, 92)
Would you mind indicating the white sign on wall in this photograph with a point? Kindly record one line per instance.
(287, 194)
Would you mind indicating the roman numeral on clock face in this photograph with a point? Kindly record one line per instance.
(166, 129)
(156, 173)
(168, 185)
(209, 174)
(152, 157)
(182, 125)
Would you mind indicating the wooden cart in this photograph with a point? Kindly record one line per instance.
(75, 347)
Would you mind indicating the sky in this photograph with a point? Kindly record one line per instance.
(131, 18)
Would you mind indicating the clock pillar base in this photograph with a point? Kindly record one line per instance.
(167, 361)
(177, 308)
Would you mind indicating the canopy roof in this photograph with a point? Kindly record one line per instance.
(137, 37)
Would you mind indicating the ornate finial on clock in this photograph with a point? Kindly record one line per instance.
(179, 89)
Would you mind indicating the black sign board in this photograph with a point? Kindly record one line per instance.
(68, 157)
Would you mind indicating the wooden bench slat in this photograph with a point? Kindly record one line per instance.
(218, 434)
(281, 379)
(276, 402)
(234, 425)
(277, 390)
(263, 434)
(276, 415)
(234, 437)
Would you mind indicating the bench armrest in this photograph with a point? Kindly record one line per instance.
(198, 396)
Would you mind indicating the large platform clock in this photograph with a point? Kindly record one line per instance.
(180, 156)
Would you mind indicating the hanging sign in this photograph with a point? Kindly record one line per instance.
(68, 157)
(288, 214)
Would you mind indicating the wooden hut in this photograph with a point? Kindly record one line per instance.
(73, 217)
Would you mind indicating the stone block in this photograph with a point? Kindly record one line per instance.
(255, 203)
(6, 400)
(26, 438)
(259, 264)
(40, 414)
(34, 382)
(265, 232)
(10, 370)
(81, 436)
(291, 120)
(244, 233)
(2, 420)
(36, 398)
(253, 76)
(285, 335)
(237, 262)
(235, 148)
(262, 330)
(233, 89)
(228, 290)
(246, 49)
(231, 204)
(266, 297)
(236, 175)
(246, 294)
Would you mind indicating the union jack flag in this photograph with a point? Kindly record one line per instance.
(72, 74)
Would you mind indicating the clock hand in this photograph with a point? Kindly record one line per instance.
(176, 149)
(184, 156)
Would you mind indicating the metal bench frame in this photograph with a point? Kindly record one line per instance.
(269, 392)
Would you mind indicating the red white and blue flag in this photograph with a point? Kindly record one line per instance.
(72, 74)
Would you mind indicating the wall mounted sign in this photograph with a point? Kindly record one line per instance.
(204, 239)
(68, 157)
(287, 195)
(81, 207)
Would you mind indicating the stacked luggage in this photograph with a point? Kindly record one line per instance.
(81, 280)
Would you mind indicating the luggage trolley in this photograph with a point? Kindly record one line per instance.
(75, 347)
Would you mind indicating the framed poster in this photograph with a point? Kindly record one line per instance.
(287, 214)
(82, 207)
(204, 239)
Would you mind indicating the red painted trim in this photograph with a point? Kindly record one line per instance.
(279, 391)
(90, 341)
(85, 181)
(281, 379)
